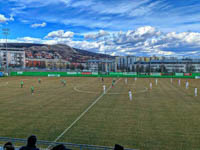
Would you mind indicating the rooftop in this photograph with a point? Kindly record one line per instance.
(11, 49)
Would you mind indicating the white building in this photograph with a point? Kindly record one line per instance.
(168, 65)
(15, 57)
(125, 62)
(102, 65)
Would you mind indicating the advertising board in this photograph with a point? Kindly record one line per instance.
(53, 75)
(1, 74)
(86, 73)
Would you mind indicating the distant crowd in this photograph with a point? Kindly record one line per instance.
(31, 145)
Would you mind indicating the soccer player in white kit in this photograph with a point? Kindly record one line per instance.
(179, 82)
(156, 81)
(104, 89)
(171, 80)
(135, 79)
(195, 91)
(130, 95)
(150, 85)
(186, 84)
(126, 80)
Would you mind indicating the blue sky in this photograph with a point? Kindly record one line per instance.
(117, 27)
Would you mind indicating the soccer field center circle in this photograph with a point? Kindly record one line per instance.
(78, 89)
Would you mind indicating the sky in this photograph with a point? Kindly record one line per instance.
(115, 27)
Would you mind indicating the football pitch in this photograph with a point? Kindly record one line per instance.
(165, 117)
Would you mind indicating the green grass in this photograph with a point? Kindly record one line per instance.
(166, 117)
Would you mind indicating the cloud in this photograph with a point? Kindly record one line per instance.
(2, 18)
(142, 41)
(192, 38)
(38, 25)
(50, 42)
(94, 36)
(135, 36)
(29, 40)
(37, 3)
(11, 18)
(147, 41)
(85, 45)
(125, 7)
(110, 15)
(60, 34)
(83, 12)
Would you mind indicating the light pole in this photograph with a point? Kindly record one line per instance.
(150, 66)
(106, 64)
(6, 33)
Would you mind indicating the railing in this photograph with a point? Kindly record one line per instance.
(44, 144)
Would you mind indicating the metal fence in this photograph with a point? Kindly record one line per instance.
(43, 145)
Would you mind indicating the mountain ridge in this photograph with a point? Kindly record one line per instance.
(66, 52)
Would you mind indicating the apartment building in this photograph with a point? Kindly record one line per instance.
(46, 63)
(102, 65)
(168, 65)
(156, 64)
(15, 57)
(125, 62)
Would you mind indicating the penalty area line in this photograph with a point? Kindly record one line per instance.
(81, 115)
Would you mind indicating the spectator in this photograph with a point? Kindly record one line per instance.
(8, 146)
(31, 143)
(60, 147)
(118, 147)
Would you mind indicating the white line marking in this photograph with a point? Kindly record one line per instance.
(90, 92)
(142, 91)
(81, 115)
(81, 91)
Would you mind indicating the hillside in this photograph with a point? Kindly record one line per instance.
(66, 52)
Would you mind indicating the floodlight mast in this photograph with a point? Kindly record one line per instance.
(106, 67)
(6, 33)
